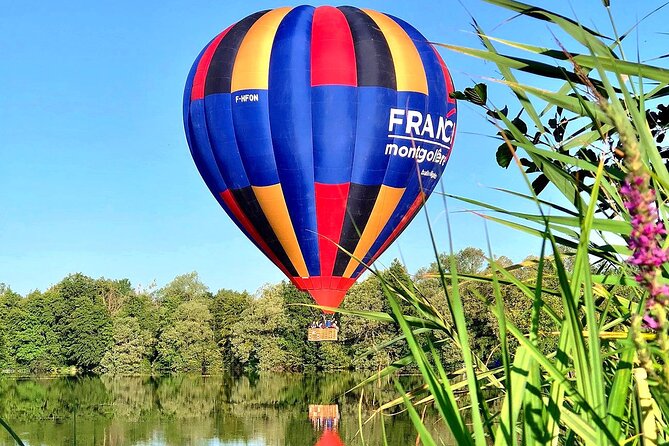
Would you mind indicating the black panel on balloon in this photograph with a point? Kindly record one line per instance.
(219, 75)
(247, 202)
(372, 54)
(361, 200)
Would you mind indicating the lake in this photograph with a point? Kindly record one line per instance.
(268, 409)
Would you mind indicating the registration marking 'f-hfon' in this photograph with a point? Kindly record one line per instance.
(248, 97)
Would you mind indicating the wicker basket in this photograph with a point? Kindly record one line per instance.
(322, 334)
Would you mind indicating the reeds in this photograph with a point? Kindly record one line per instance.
(606, 378)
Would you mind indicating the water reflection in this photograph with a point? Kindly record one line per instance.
(262, 410)
(330, 438)
(325, 418)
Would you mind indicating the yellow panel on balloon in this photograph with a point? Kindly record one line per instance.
(274, 207)
(409, 68)
(251, 69)
(385, 205)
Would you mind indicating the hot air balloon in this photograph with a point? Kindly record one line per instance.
(321, 131)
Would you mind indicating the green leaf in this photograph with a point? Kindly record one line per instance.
(524, 65)
(620, 389)
(575, 105)
(562, 382)
(539, 13)
(11, 432)
(458, 95)
(520, 125)
(504, 155)
(443, 394)
(540, 183)
(477, 95)
(589, 61)
(425, 437)
(513, 403)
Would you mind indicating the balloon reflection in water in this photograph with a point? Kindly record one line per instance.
(330, 438)
(325, 417)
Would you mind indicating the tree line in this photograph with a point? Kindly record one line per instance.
(106, 326)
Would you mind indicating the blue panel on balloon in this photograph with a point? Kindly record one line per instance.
(224, 141)
(334, 123)
(370, 160)
(399, 167)
(289, 114)
(201, 149)
(250, 117)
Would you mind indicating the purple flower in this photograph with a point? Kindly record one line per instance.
(646, 240)
(660, 291)
(650, 322)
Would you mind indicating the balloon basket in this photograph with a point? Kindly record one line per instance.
(322, 334)
(324, 416)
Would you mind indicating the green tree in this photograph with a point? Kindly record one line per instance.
(183, 288)
(142, 308)
(258, 337)
(40, 306)
(468, 260)
(8, 301)
(114, 293)
(82, 320)
(86, 334)
(300, 316)
(476, 296)
(188, 344)
(227, 307)
(89, 323)
(362, 334)
(129, 353)
(334, 356)
(26, 342)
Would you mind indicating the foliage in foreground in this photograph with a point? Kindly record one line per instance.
(606, 378)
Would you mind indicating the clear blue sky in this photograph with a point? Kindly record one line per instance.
(95, 173)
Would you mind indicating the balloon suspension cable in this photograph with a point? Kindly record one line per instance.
(325, 321)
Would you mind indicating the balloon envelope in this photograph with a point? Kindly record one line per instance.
(316, 128)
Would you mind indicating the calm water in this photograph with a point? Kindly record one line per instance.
(271, 409)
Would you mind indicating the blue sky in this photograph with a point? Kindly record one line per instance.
(95, 172)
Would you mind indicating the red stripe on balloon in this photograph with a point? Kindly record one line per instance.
(330, 210)
(241, 217)
(197, 92)
(447, 77)
(332, 51)
(327, 291)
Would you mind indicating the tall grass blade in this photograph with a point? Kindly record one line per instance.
(11, 432)
(513, 401)
(425, 437)
(535, 428)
